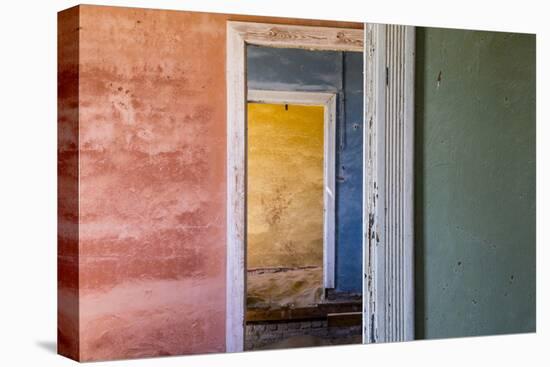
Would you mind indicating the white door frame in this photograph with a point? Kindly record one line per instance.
(388, 197)
(239, 34)
(328, 102)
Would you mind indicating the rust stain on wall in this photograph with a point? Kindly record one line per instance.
(142, 239)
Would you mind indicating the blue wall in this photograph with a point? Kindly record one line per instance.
(327, 71)
(349, 178)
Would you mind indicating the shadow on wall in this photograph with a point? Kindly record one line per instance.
(420, 310)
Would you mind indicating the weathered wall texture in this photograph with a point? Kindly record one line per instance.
(341, 73)
(152, 183)
(67, 190)
(475, 183)
(285, 185)
(142, 263)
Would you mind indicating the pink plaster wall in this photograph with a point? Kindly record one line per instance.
(152, 189)
(143, 273)
(67, 178)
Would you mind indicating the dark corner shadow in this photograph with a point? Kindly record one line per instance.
(419, 174)
(48, 345)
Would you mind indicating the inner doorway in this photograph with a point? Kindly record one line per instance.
(284, 206)
(299, 292)
(329, 78)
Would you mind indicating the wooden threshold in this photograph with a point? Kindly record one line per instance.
(321, 311)
(344, 319)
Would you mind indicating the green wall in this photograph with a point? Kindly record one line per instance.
(475, 183)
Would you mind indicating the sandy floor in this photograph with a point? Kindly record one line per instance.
(295, 287)
(276, 288)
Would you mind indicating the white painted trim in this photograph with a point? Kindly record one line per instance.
(388, 248)
(293, 36)
(238, 35)
(328, 101)
(290, 97)
(236, 191)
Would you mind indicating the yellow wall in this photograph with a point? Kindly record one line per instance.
(285, 185)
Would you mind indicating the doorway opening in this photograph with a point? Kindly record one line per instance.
(385, 201)
(303, 325)
(284, 208)
(303, 275)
